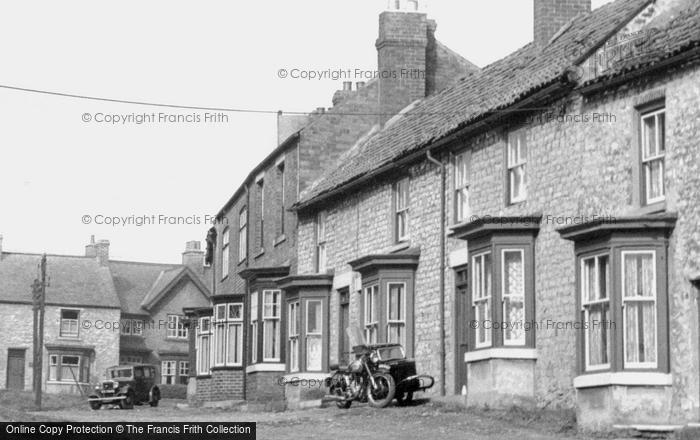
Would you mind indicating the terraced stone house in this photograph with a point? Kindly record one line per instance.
(531, 234)
(242, 346)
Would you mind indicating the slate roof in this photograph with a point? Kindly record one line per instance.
(495, 88)
(134, 280)
(74, 281)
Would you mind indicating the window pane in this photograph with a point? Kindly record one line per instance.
(219, 337)
(487, 275)
(640, 329)
(649, 127)
(235, 341)
(603, 276)
(662, 132)
(271, 339)
(655, 178)
(396, 299)
(313, 317)
(69, 314)
(294, 354)
(639, 275)
(314, 353)
(598, 335)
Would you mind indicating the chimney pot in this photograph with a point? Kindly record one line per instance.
(347, 86)
(102, 252)
(359, 85)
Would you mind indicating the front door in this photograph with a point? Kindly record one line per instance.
(15, 369)
(461, 308)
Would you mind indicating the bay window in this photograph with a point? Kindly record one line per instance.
(622, 276)
(228, 334)
(68, 366)
(271, 325)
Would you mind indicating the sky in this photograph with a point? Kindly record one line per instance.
(72, 168)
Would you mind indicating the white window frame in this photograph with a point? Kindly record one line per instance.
(586, 303)
(204, 332)
(275, 320)
(234, 347)
(79, 366)
(254, 327)
(396, 322)
(137, 327)
(660, 155)
(624, 301)
(219, 326)
(371, 313)
(293, 336)
(321, 256)
(225, 252)
(243, 234)
(53, 365)
(168, 369)
(515, 159)
(461, 193)
(317, 334)
(523, 340)
(401, 209)
(183, 370)
(482, 298)
(177, 331)
(74, 331)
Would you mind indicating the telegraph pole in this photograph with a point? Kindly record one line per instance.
(39, 297)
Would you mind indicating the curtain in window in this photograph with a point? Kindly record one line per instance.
(514, 297)
(639, 308)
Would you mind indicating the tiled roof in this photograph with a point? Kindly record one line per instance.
(134, 280)
(493, 89)
(77, 281)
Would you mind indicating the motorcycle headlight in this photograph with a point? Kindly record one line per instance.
(374, 357)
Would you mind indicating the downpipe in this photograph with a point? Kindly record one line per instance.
(441, 167)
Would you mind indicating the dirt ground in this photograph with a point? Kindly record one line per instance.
(424, 420)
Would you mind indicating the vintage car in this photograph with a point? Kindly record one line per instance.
(127, 385)
(403, 371)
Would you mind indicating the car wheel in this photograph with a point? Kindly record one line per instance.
(155, 398)
(404, 399)
(128, 402)
(95, 405)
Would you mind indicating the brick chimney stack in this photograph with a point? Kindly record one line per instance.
(98, 250)
(401, 51)
(551, 15)
(193, 257)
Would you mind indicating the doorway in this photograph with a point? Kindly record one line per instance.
(461, 328)
(15, 368)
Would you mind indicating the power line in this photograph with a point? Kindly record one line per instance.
(235, 110)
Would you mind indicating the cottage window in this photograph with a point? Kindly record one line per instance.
(243, 234)
(225, 240)
(595, 300)
(203, 346)
(516, 160)
(271, 325)
(176, 327)
(401, 202)
(293, 331)
(461, 201)
(321, 242)
(69, 323)
(481, 297)
(371, 315)
(314, 335)
(183, 372)
(254, 327)
(653, 126)
(167, 372)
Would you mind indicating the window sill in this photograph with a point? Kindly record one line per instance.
(276, 367)
(65, 382)
(68, 338)
(260, 253)
(403, 244)
(226, 367)
(240, 263)
(203, 376)
(654, 208)
(501, 353)
(177, 339)
(279, 240)
(628, 378)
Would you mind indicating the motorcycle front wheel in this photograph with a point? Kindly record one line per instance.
(383, 393)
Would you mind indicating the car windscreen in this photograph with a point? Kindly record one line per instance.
(119, 373)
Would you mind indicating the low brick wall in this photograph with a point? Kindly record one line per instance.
(220, 385)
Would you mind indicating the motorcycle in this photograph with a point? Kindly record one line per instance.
(379, 373)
